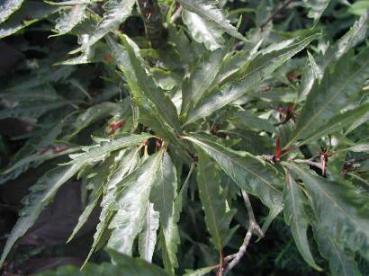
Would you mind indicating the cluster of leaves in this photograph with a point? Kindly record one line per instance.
(273, 110)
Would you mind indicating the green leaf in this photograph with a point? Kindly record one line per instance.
(117, 11)
(132, 201)
(296, 217)
(341, 262)
(209, 11)
(213, 199)
(40, 196)
(259, 70)
(200, 80)
(32, 110)
(31, 161)
(100, 151)
(142, 87)
(359, 7)
(8, 7)
(29, 13)
(329, 97)
(203, 31)
(70, 18)
(316, 8)
(97, 182)
(340, 211)
(95, 113)
(246, 119)
(349, 40)
(122, 265)
(148, 236)
(129, 160)
(339, 121)
(246, 171)
(163, 195)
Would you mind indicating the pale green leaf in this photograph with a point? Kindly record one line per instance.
(95, 113)
(144, 91)
(316, 8)
(132, 200)
(147, 238)
(117, 11)
(213, 199)
(296, 217)
(203, 31)
(349, 40)
(129, 160)
(340, 85)
(29, 13)
(339, 210)
(97, 182)
(259, 70)
(359, 7)
(341, 262)
(200, 80)
(163, 195)
(208, 10)
(70, 18)
(8, 7)
(339, 121)
(249, 173)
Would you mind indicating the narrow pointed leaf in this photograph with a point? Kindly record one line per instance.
(330, 96)
(249, 173)
(117, 11)
(147, 239)
(71, 18)
(8, 7)
(341, 262)
(339, 121)
(97, 182)
(340, 211)
(203, 31)
(200, 80)
(163, 195)
(209, 11)
(29, 13)
(349, 40)
(144, 91)
(128, 162)
(316, 8)
(259, 70)
(296, 217)
(132, 202)
(213, 200)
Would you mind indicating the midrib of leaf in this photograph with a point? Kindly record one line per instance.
(316, 115)
(235, 161)
(213, 216)
(322, 191)
(337, 251)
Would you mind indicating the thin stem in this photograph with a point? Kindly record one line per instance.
(253, 228)
(276, 12)
(309, 162)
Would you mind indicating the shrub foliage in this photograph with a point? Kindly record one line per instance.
(214, 108)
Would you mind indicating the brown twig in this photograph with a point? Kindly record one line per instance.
(253, 228)
(276, 12)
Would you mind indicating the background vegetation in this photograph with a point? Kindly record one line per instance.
(185, 137)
